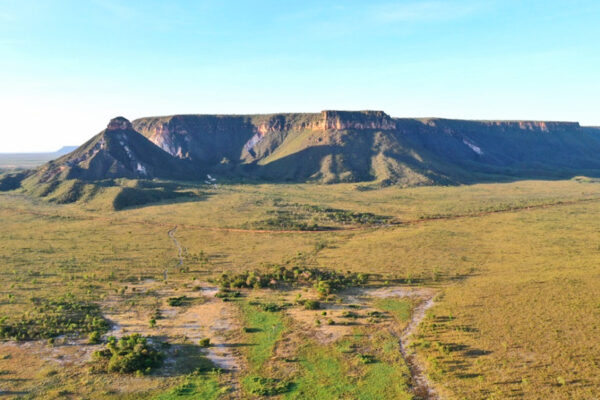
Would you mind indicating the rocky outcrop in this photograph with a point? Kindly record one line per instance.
(362, 120)
(119, 124)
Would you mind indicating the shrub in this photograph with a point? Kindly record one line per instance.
(366, 358)
(271, 307)
(205, 342)
(350, 314)
(94, 337)
(268, 386)
(177, 301)
(228, 295)
(130, 354)
(52, 318)
(312, 304)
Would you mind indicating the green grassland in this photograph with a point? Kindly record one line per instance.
(515, 267)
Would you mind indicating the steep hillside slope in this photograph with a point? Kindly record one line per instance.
(116, 152)
(338, 146)
(112, 170)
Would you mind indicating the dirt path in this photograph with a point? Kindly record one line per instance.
(422, 386)
(180, 249)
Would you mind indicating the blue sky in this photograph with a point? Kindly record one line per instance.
(67, 67)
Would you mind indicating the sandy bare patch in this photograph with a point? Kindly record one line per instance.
(204, 317)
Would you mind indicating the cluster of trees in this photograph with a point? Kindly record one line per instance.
(52, 318)
(324, 280)
(348, 217)
(305, 217)
(130, 354)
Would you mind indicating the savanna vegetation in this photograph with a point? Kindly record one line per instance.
(512, 270)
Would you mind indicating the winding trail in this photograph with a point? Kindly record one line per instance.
(171, 234)
(422, 386)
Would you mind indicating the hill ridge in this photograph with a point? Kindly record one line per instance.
(328, 147)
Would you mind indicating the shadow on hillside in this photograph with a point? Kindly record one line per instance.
(446, 162)
(326, 163)
(177, 199)
(143, 193)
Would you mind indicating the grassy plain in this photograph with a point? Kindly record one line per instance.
(516, 267)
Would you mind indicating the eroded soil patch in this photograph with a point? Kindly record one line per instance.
(200, 316)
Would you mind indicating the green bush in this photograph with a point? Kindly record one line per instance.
(94, 337)
(52, 318)
(271, 307)
(267, 386)
(130, 354)
(228, 295)
(177, 301)
(312, 304)
(366, 358)
(350, 314)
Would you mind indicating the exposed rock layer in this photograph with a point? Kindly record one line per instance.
(331, 146)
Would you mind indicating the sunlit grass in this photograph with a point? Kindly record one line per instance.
(517, 314)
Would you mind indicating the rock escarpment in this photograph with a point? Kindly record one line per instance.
(336, 146)
(330, 147)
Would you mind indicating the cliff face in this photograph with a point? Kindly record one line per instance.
(364, 120)
(207, 139)
(334, 146)
(329, 147)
